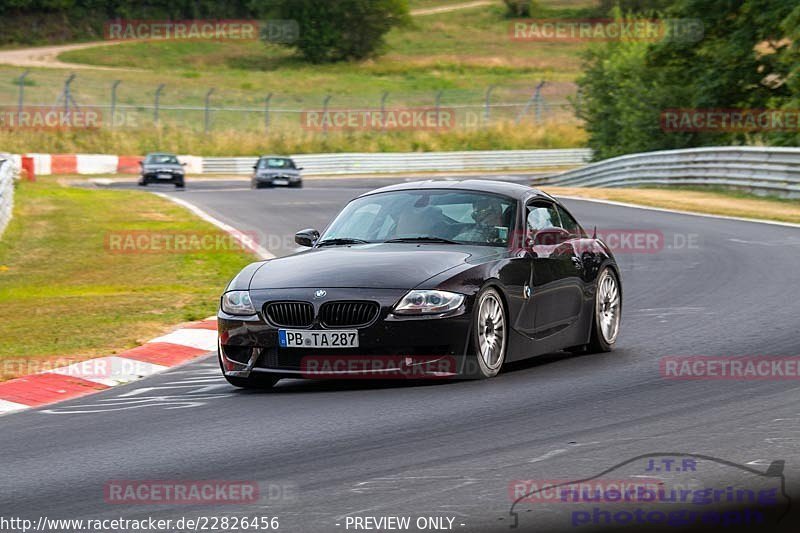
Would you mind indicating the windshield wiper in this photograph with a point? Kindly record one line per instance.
(423, 239)
(341, 240)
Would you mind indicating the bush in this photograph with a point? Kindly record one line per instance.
(518, 8)
(342, 29)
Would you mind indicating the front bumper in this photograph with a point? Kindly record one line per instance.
(271, 179)
(157, 177)
(438, 344)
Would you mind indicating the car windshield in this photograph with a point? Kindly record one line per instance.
(426, 215)
(161, 159)
(275, 162)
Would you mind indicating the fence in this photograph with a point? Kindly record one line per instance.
(411, 162)
(132, 100)
(760, 170)
(7, 173)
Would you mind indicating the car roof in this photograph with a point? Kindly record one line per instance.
(275, 156)
(160, 153)
(515, 190)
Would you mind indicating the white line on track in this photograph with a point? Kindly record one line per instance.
(246, 241)
(677, 212)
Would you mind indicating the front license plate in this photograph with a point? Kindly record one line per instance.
(340, 338)
(281, 182)
(165, 176)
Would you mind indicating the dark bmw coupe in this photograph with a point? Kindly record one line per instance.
(426, 279)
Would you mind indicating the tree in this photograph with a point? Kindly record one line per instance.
(342, 29)
(738, 63)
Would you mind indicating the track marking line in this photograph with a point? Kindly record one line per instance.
(678, 212)
(202, 339)
(240, 237)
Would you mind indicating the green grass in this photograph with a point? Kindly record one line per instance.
(499, 136)
(460, 53)
(456, 50)
(64, 294)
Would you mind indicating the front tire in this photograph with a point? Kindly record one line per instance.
(256, 380)
(489, 334)
(253, 381)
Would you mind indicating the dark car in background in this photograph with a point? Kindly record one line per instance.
(460, 277)
(272, 170)
(162, 168)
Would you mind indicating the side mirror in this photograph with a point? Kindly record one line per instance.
(141, 163)
(550, 237)
(255, 167)
(299, 168)
(306, 237)
(183, 164)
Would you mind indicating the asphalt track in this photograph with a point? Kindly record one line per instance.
(447, 449)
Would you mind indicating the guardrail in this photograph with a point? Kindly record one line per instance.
(379, 163)
(7, 173)
(760, 170)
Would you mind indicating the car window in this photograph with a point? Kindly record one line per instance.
(541, 215)
(275, 162)
(366, 222)
(160, 159)
(567, 222)
(460, 216)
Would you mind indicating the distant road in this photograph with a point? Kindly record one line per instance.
(47, 56)
(362, 448)
(451, 7)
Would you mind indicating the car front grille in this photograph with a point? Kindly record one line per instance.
(347, 314)
(290, 314)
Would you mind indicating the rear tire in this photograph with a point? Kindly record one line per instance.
(296, 185)
(607, 313)
(489, 335)
(179, 185)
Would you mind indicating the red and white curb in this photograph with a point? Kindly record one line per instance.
(50, 164)
(94, 375)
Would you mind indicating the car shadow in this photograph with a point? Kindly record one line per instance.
(306, 386)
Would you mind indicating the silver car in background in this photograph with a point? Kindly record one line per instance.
(272, 170)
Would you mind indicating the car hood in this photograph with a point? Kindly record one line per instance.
(384, 265)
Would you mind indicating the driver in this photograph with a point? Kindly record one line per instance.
(488, 217)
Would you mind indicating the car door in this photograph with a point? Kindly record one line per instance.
(556, 286)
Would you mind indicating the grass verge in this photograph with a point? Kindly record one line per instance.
(64, 294)
(502, 136)
(709, 201)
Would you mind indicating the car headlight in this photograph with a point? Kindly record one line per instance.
(419, 302)
(237, 303)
